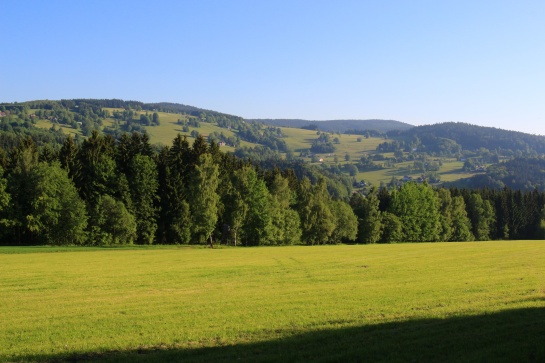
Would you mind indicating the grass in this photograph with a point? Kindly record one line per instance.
(451, 170)
(433, 302)
(67, 129)
(298, 139)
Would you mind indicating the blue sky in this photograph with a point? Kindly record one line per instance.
(420, 62)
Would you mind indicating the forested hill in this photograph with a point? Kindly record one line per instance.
(471, 137)
(520, 174)
(339, 125)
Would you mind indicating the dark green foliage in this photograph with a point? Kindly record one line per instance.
(525, 174)
(68, 155)
(346, 223)
(203, 198)
(174, 215)
(52, 211)
(143, 183)
(252, 214)
(112, 224)
(369, 216)
(96, 171)
(445, 214)
(323, 144)
(392, 228)
(286, 225)
(481, 215)
(449, 137)
(417, 207)
(461, 225)
(5, 199)
(317, 220)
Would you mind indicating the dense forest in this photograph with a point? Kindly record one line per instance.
(104, 191)
(524, 174)
(453, 137)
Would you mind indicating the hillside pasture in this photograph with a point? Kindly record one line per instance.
(299, 139)
(66, 129)
(405, 302)
(161, 134)
(451, 170)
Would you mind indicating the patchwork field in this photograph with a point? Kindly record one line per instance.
(406, 302)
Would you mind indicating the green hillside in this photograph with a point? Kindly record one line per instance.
(168, 128)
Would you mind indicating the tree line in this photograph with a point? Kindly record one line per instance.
(104, 191)
(416, 212)
(107, 191)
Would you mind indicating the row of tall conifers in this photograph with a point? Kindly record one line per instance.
(111, 192)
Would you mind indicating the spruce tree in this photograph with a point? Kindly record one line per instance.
(203, 198)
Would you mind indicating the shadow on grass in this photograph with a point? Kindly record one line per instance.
(514, 335)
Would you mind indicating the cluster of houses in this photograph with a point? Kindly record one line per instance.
(408, 178)
(360, 184)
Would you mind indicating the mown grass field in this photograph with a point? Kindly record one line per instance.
(406, 302)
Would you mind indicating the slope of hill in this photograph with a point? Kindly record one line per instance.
(520, 173)
(471, 137)
(339, 125)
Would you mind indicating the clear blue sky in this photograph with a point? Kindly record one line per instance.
(421, 62)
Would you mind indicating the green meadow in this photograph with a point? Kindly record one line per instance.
(406, 302)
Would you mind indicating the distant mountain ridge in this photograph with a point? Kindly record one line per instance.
(340, 125)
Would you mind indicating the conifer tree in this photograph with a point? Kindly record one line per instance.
(369, 216)
(461, 225)
(481, 215)
(203, 199)
(286, 229)
(253, 198)
(143, 184)
(445, 214)
(67, 155)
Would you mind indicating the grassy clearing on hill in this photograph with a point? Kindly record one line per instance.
(451, 170)
(67, 129)
(419, 302)
(298, 139)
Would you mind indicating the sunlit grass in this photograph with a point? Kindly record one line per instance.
(66, 129)
(100, 300)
